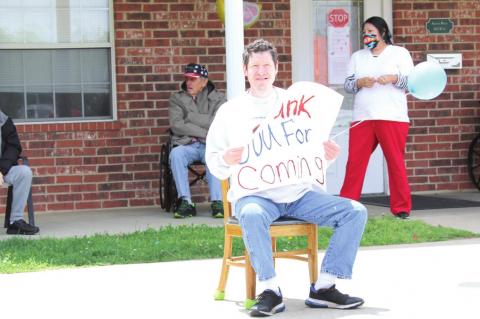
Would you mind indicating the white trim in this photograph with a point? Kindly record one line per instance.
(381, 8)
(234, 48)
(53, 46)
(113, 72)
(302, 40)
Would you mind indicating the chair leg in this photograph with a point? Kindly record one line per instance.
(31, 213)
(250, 280)
(313, 254)
(8, 207)
(274, 249)
(227, 254)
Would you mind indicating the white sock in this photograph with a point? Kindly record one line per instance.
(325, 281)
(269, 284)
(188, 199)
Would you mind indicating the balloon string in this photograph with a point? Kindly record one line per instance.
(345, 130)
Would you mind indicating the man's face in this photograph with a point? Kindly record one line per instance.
(195, 85)
(260, 72)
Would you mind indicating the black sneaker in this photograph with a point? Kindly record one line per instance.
(267, 303)
(20, 227)
(185, 209)
(402, 215)
(331, 298)
(217, 209)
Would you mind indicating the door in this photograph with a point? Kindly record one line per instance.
(336, 35)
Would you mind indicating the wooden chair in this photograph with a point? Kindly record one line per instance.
(282, 227)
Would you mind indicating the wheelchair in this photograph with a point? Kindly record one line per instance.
(167, 189)
(474, 161)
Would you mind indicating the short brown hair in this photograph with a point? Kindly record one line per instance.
(259, 45)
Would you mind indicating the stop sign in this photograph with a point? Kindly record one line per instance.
(338, 18)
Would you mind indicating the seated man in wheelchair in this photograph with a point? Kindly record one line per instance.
(191, 112)
(13, 172)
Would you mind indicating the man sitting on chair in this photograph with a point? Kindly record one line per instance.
(239, 117)
(13, 172)
(191, 112)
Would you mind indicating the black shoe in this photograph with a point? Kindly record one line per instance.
(268, 303)
(185, 209)
(331, 298)
(402, 215)
(217, 209)
(20, 227)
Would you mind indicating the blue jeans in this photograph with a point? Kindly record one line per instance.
(346, 217)
(183, 155)
(20, 177)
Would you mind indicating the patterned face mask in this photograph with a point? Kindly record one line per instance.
(370, 41)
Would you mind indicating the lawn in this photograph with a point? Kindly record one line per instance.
(186, 242)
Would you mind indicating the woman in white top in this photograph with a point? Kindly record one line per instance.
(377, 75)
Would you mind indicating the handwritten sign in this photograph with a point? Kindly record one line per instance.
(287, 148)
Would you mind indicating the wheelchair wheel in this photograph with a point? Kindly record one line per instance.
(168, 193)
(474, 161)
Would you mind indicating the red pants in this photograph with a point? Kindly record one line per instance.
(364, 138)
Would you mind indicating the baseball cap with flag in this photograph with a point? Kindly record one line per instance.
(195, 70)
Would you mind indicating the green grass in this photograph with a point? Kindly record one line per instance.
(186, 242)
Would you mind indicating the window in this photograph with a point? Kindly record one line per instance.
(56, 60)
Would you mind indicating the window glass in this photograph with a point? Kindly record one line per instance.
(97, 100)
(95, 65)
(68, 101)
(39, 102)
(11, 72)
(12, 102)
(64, 21)
(67, 66)
(39, 66)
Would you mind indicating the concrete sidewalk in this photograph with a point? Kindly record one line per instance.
(434, 280)
(440, 280)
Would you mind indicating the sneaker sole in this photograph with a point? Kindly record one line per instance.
(179, 216)
(20, 232)
(315, 303)
(278, 308)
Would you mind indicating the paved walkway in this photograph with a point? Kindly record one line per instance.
(436, 280)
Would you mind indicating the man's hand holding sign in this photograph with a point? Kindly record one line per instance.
(291, 145)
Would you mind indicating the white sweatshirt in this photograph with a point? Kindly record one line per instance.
(381, 102)
(233, 127)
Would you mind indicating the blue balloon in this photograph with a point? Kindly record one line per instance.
(427, 80)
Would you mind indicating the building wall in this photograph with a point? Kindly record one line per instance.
(442, 129)
(115, 164)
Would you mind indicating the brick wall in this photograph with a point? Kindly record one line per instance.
(115, 164)
(442, 128)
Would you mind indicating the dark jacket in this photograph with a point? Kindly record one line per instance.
(189, 119)
(10, 148)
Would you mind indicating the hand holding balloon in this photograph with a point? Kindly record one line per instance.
(427, 80)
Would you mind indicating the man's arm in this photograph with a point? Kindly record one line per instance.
(11, 148)
(218, 145)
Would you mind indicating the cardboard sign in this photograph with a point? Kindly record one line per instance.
(287, 148)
